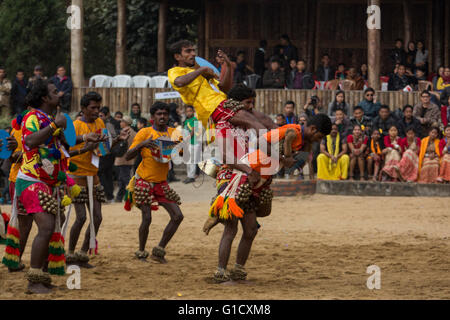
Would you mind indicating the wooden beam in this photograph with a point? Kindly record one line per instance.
(76, 45)
(207, 28)
(406, 23)
(373, 53)
(162, 36)
(447, 34)
(310, 6)
(317, 35)
(121, 38)
(201, 31)
(438, 22)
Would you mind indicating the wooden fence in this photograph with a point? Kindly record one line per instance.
(269, 101)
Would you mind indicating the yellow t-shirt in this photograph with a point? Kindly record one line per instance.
(202, 94)
(150, 169)
(84, 160)
(16, 166)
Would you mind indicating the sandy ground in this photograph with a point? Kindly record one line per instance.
(316, 247)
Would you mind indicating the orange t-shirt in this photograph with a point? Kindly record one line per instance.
(278, 134)
(15, 167)
(84, 160)
(151, 169)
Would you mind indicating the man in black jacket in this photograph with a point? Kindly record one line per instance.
(398, 54)
(260, 58)
(290, 51)
(384, 121)
(408, 120)
(325, 71)
(18, 93)
(400, 80)
(64, 85)
(274, 78)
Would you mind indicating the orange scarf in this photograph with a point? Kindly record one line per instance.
(424, 147)
(372, 148)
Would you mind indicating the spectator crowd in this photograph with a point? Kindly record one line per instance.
(283, 68)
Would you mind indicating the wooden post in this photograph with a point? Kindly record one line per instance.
(438, 24)
(201, 31)
(121, 39)
(317, 34)
(76, 46)
(406, 23)
(447, 34)
(310, 61)
(207, 26)
(373, 53)
(162, 36)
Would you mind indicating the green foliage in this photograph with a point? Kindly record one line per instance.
(33, 32)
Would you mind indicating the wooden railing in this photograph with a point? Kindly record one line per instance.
(269, 101)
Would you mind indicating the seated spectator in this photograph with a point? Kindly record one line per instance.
(444, 80)
(289, 113)
(135, 115)
(354, 76)
(398, 54)
(408, 120)
(118, 116)
(280, 120)
(338, 104)
(392, 155)
(361, 120)
(374, 155)
(400, 80)
(420, 74)
(409, 164)
(429, 157)
(301, 79)
(357, 144)
(242, 68)
(303, 119)
(313, 106)
(445, 112)
(384, 121)
(333, 161)
(340, 74)
(444, 149)
(344, 125)
(421, 59)
(370, 104)
(325, 72)
(363, 71)
(427, 113)
(440, 73)
(411, 55)
(274, 77)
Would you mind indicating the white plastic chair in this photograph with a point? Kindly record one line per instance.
(141, 81)
(159, 82)
(101, 81)
(121, 81)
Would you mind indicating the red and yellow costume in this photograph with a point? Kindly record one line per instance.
(149, 185)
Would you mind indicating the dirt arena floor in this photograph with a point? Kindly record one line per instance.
(315, 247)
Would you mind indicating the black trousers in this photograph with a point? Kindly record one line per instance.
(123, 179)
(106, 175)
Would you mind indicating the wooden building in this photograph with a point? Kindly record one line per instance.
(336, 27)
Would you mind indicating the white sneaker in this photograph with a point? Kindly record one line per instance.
(296, 172)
